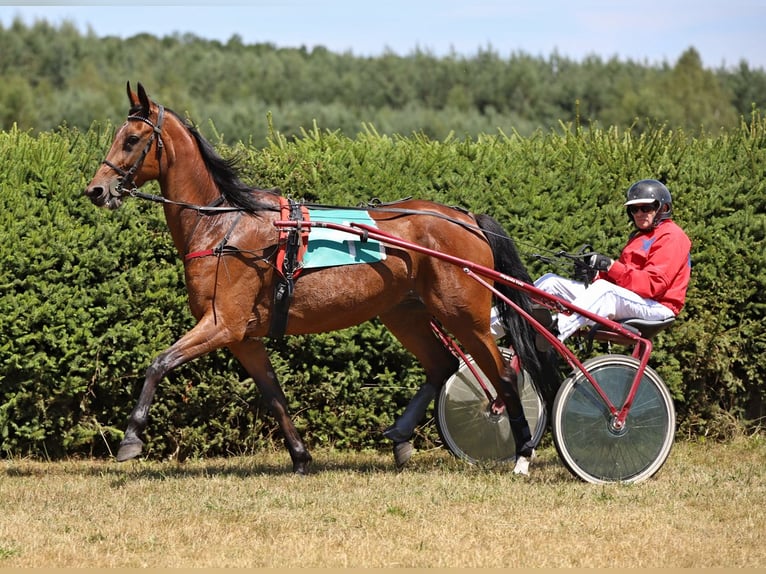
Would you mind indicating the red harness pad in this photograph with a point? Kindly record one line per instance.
(287, 213)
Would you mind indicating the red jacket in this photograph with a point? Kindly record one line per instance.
(655, 264)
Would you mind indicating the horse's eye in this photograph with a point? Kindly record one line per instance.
(132, 140)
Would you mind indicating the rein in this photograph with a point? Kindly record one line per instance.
(201, 209)
(554, 258)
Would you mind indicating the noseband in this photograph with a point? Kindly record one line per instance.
(126, 183)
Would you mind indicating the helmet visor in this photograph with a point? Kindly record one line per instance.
(640, 201)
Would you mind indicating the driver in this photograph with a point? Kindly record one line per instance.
(649, 279)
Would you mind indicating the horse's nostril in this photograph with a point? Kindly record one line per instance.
(94, 191)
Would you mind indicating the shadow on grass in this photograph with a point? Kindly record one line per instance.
(546, 467)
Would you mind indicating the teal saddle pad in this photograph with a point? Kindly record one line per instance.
(332, 247)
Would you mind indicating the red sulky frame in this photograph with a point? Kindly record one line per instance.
(612, 331)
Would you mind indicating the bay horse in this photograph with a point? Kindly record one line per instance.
(225, 233)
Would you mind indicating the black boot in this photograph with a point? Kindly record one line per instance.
(404, 426)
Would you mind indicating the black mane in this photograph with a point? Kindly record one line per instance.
(225, 175)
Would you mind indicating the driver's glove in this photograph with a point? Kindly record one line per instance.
(599, 262)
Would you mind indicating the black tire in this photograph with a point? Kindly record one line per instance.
(467, 427)
(583, 433)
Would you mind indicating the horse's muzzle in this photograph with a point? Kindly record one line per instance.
(105, 196)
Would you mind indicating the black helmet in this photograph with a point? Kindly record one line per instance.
(649, 191)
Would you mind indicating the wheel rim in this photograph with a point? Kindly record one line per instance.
(590, 442)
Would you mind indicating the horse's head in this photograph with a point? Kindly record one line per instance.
(136, 154)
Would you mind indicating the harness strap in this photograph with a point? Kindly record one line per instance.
(219, 249)
(293, 243)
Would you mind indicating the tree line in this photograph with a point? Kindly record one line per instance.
(54, 75)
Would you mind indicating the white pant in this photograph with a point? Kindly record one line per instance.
(601, 298)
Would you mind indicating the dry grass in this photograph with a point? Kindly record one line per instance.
(705, 508)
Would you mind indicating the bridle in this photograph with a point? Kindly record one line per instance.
(126, 183)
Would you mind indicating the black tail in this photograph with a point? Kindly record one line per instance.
(540, 365)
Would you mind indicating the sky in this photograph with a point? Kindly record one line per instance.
(645, 31)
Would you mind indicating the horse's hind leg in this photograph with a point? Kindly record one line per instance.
(480, 345)
(253, 356)
(471, 329)
(410, 323)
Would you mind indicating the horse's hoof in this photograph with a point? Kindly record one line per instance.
(402, 453)
(129, 448)
(301, 465)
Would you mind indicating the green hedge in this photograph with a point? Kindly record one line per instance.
(89, 297)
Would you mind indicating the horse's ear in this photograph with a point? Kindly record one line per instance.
(132, 97)
(143, 99)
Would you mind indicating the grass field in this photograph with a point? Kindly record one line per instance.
(705, 508)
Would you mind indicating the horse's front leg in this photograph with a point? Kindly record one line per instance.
(131, 445)
(253, 356)
(202, 339)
